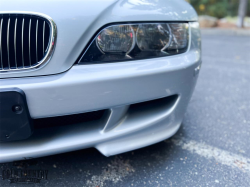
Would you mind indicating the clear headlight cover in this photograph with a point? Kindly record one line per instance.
(137, 41)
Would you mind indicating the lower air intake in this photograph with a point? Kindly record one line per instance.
(68, 120)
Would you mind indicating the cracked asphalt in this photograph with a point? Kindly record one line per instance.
(210, 149)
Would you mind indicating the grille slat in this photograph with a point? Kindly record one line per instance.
(8, 43)
(26, 40)
(1, 43)
(29, 41)
(15, 41)
(43, 35)
(36, 40)
(22, 42)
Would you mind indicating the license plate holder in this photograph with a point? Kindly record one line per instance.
(15, 120)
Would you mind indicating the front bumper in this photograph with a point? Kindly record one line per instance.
(113, 86)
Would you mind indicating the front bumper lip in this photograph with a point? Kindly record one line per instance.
(127, 136)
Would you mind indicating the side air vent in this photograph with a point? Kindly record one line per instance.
(26, 40)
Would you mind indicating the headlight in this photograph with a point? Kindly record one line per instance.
(137, 41)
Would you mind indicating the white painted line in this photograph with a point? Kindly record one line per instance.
(209, 152)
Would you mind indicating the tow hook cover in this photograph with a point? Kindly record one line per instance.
(15, 120)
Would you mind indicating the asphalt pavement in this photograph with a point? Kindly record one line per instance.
(212, 147)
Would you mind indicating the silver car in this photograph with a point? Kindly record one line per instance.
(116, 75)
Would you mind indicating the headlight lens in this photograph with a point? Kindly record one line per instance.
(116, 39)
(137, 41)
(153, 37)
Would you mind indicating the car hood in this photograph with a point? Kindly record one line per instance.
(78, 20)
